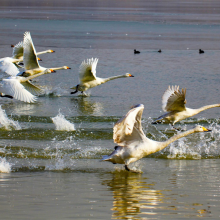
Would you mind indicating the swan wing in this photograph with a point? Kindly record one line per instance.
(128, 129)
(30, 58)
(173, 99)
(18, 50)
(13, 87)
(87, 70)
(35, 90)
(8, 67)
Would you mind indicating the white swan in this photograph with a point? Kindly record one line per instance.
(173, 102)
(10, 65)
(31, 64)
(133, 144)
(88, 78)
(21, 88)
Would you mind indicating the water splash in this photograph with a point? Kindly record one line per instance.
(62, 124)
(5, 167)
(7, 123)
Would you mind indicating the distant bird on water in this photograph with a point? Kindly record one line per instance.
(88, 78)
(201, 51)
(159, 51)
(133, 144)
(136, 51)
(173, 102)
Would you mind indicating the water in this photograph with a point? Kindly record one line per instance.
(50, 151)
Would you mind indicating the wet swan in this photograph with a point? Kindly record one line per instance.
(133, 144)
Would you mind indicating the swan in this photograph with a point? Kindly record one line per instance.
(10, 65)
(31, 64)
(133, 144)
(173, 102)
(136, 51)
(88, 78)
(21, 88)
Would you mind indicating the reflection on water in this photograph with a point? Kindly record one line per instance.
(87, 107)
(133, 196)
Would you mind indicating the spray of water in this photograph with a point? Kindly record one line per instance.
(5, 167)
(62, 124)
(7, 123)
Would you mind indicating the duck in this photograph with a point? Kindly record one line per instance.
(136, 51)
(132, 144)
(20, 88)
(88, 78)
(201, 51)
(31, 64)
(159, 51)
(173, 103)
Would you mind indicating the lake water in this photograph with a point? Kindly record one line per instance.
(50, 150)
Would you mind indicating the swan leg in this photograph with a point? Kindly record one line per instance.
(133, 171)
(7, 96)
(127, 168)
(75, 90)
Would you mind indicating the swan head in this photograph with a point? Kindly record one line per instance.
(66, 67)
(39, 59)
(200, 128)
(50, 51)
(128, 75)
(49, 71)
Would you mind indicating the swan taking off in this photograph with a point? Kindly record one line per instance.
(132, 142)
(173, 102)
(21, 88)
(31, 64)
(10, 65)
(88, 78)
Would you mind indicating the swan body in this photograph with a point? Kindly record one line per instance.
(31, 64)
(21, 88)
(88, 78)
(132, 142)
(173, 103)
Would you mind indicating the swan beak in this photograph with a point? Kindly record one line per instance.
(12, 45)
(131, 75)
(52, 51)
(39, 59)
(52, 71)
(206, 129)
(68, 68)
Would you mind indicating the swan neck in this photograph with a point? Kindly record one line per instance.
(207, 107)
(113, 77)
(42, 52)
(175, 137)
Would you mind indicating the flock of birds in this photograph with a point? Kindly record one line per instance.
(132, 144)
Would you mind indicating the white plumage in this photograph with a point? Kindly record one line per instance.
(88, 78)
(132, 142)
(173, 103)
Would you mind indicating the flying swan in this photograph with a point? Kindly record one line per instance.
(88, 78)
(31, 64)
(173, 102)
(10, 65)
(132, 142)
(21, 88)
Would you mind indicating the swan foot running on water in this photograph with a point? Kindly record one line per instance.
(132, 142)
